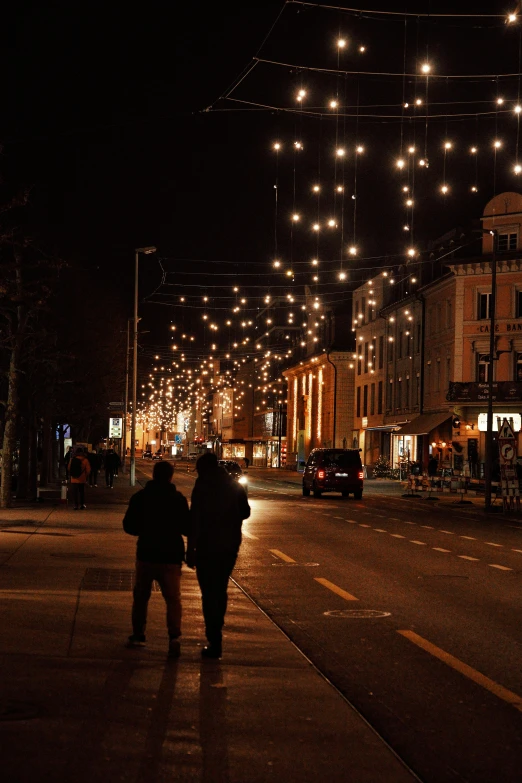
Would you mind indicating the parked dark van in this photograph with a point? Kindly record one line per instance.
(333, 470)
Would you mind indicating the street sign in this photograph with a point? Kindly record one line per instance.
(115, 427)
(508, 475)
(506, 431)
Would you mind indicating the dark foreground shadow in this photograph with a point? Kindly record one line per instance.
(213, 723)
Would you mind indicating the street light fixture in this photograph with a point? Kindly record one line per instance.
(146, 251)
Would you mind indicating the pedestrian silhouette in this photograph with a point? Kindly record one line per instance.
(79, 470)
(159, 516)
(112, 463)
(218, 507)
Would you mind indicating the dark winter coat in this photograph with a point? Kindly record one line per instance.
(159, 516)
(112, 461)
(218, 507)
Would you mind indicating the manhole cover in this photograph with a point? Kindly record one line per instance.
(364, 614)
(76, 555)
(296, 564)
(17, 710)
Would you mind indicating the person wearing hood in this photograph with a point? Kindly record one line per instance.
(218, 507)
(159, 516)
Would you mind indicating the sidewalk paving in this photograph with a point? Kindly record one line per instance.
(76, 705)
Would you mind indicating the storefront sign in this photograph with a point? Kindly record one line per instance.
(503, 391)
(364, 422)
(515, 419)
(484, 328)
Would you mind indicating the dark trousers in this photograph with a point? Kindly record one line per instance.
(213, 573)
(109, 476)
(78, 491)
(168, 576)
(93, 477)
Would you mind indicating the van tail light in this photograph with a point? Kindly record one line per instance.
(320, 474)
(361, 474)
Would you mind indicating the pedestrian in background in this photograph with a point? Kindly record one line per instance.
(79, 470)
(433, 466)
(218, 507)
(66, 461)
(95, 463)
(159, 516)
(112, 463)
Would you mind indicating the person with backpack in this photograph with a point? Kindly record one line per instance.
(79, 470)
(218, 507)
(159, 516)
(95, 463)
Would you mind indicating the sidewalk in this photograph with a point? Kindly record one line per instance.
(76, 705)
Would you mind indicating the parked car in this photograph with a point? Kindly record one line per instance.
(147, 455)
(152, 455)
(234, 470)
(333, 470)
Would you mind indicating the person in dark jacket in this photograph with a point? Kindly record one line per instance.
(112, 463)
(159, 516)
(218, 507)
(433, 466)
(94, 462)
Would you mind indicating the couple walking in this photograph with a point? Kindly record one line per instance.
(159, 515)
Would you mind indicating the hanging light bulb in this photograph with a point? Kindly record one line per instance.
(316, 227)
(276, 264)
(409, 202)
(473, 150)
(405, 227)
(517, 109)
(411, 252)
(400, 163)
(296, 217)
(405, 189)
(314, 262)
(339, 188)
(332, 223)
(340, 152)
(298, 145)
(500, 101)
(425, 68)
(474, 189)
(301, 94)
(517, 168)
(423, 162)
(341, 43)
(362, 49)
(448, 145)
(411, 150)
(352, 250)
(418, 101)
(359, 149)
(444, 189)
(277, 146)
(497, 144)
(512, 18)
(316, 188)
(333, 104)
(342, 275)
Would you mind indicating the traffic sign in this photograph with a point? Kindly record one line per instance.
(506, 432)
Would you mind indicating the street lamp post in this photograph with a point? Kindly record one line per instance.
(146, 251)
(126, 402)
(492, 324)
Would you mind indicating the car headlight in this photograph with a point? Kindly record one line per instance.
(243, 480)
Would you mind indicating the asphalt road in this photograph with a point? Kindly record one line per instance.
(411, 611)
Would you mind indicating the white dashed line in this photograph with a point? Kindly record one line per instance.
(352, 521)
(421, 543)
(501, 568)
(517, 550)
(467, 557)
(379, 530)
(361, 525)
(396, 535)
(339, 518)
(427, 527)
(409, 523)
(489, 543)
(439, 549)
(448, 532)
(468, 538)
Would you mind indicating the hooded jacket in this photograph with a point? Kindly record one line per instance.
(159, 516)
(218, 506)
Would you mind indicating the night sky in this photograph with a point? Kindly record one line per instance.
(103, 117)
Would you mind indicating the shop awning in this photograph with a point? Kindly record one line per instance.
(387, 427)
(424, 423)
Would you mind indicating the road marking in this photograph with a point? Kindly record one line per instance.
(335, 589)
(517, 550)
(352, 521)
(463, 668)
(339, 518)
(282, 556)
(422, 543)
(439, 549)
(394, 519)
(250, 535)
(489, 543)
(469, 538)
(501, 568)
(396, 535)
(427, 527)
(409, 523)
(448, 532)
(379, 530)
(467, 557)
(361, 525)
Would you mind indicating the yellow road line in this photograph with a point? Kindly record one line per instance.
(490, 543)
(335, 589)
(282, 556)
(467, 557)
(467, 671)
(421, 543)
(501, 568)
(396, 535)
(440, 549)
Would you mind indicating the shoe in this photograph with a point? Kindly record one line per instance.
(84, 506)
(135, 640)
(174, 648)
(211, 651)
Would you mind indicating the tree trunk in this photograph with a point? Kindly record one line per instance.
(9, 440)
(61, 451)
(23, 462)
(46, 451)
(33, 460)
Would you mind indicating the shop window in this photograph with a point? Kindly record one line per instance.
(482, 367)
(372, 399)
(483, 306)
(365, 401)
(519, 304)
(507, 242)
(518, 368)
(379, 398)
